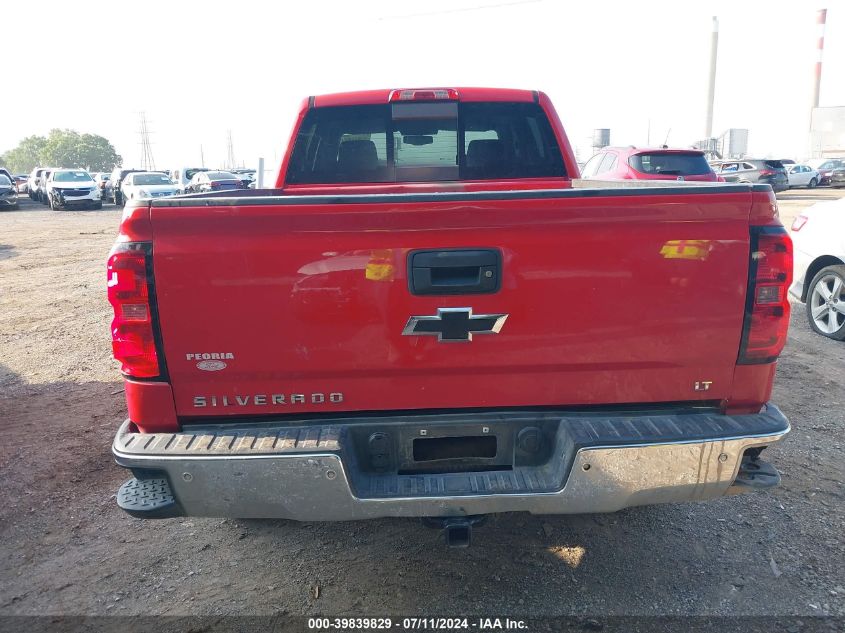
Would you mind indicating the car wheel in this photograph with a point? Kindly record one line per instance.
(812, 184)
(53, 205)
(826, 302)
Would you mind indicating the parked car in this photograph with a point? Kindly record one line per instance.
(102, 179)
(802, 176)
(41, 189)
(633, 163)
(837, 177)
(764, 171)
(21, 182)
(8, 193)
(818, 236)
(825, 166)
(8, 174)
(115, 182)
(72, 188)
(182, 176)
(147, 184)
(33, 181)
(247, 177)
(204, 181)
(431, 326)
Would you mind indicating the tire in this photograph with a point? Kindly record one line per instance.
(53, 205)
(826, 302)
(812, 184)
(118, 199)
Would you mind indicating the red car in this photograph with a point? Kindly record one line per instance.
(433, 316)
(643, 163)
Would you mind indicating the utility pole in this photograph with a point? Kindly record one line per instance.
(147, 162)
(711, 83)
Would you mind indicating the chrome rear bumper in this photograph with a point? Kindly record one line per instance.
(308, 472)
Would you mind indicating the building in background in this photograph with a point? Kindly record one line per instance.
(731, 144)
(827, 132)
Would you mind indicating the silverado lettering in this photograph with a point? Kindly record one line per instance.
(644, 320)
(262, 399)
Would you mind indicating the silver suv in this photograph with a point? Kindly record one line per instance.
(762, 171)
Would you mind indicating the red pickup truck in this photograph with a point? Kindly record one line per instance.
(432, 316)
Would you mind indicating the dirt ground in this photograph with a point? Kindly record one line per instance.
(67, 548)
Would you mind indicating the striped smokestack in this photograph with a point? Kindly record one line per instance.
(821, 19)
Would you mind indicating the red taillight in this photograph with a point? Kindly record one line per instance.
(767, 304)
(133, 341)
(767, 172)
(435, 94)
(799, 223)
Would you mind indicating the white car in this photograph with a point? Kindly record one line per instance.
(67, 188)
(33, 181)
(182, 176)
(143, 185)
(802, 176)
(818, 236)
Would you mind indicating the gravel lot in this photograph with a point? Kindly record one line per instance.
(67, 549)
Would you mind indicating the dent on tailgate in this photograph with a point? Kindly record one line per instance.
(294, 308)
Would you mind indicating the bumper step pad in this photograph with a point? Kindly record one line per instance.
(148, 499)
(757, 474)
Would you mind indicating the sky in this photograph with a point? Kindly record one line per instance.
(200, 69)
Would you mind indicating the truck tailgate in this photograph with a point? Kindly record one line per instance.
(295, 304)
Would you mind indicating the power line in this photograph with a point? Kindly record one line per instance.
(459, 10)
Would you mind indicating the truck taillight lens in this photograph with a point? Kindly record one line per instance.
(767, 303)
(132, 329)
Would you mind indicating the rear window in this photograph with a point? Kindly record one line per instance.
(423, 142)
(670, 163)
(774, 164)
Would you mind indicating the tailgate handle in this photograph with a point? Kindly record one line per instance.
(455, 271)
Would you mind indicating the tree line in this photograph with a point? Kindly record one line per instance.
(61, 148)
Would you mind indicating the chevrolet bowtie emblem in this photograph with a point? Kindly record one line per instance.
(454, 324)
